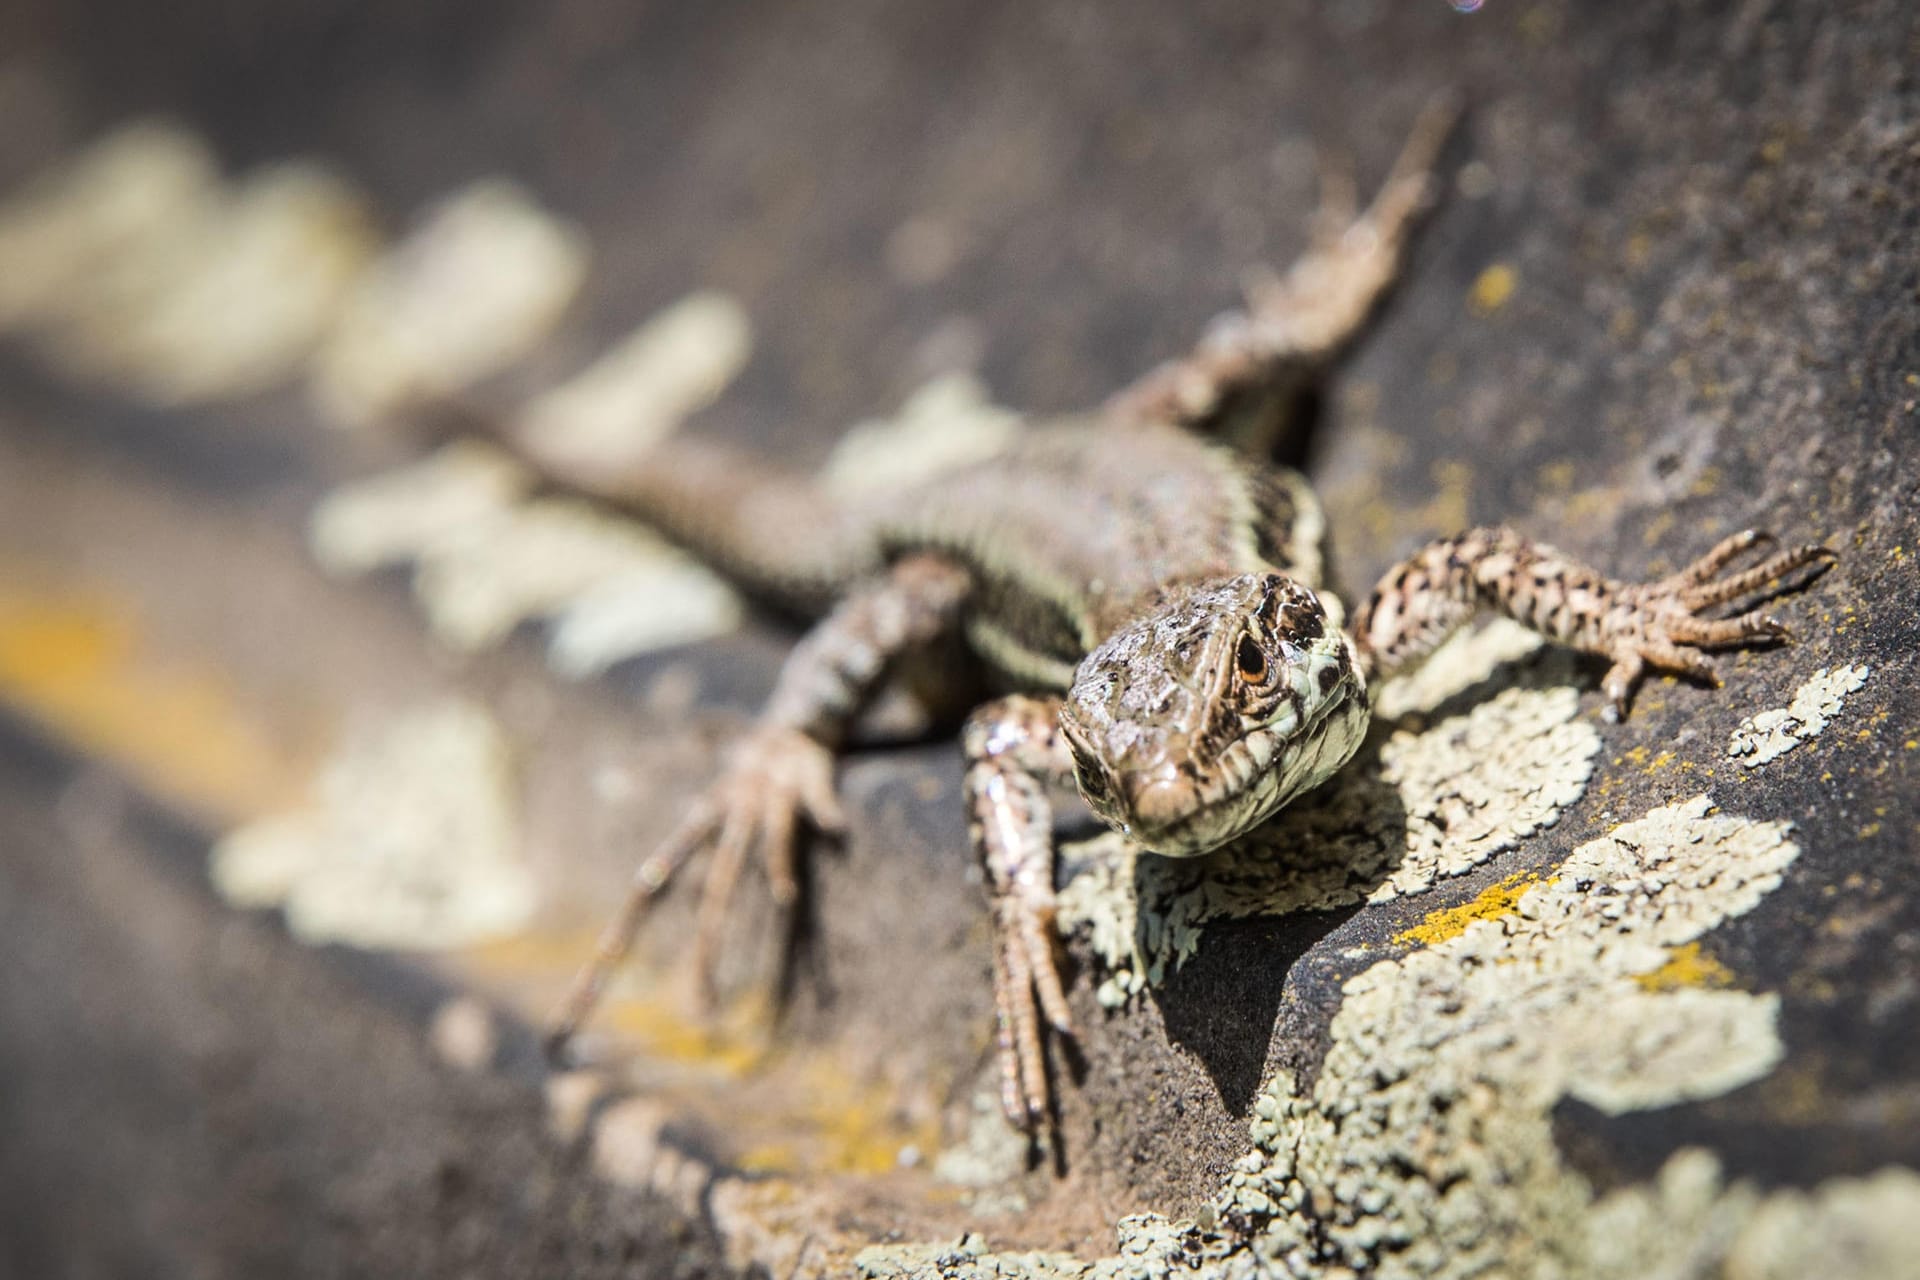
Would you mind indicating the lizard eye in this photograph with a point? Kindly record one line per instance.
(1251, 660)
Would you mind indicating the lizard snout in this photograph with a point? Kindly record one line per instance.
(1159, 799)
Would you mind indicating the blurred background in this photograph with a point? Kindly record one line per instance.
(321, 758)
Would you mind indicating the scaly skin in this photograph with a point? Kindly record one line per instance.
(1153, 596)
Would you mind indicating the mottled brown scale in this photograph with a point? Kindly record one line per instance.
(1084, 526)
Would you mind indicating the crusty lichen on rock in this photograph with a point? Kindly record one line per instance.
(1763, 738)
(1424, 1146)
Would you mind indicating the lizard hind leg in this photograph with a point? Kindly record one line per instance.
(1014, 750)
(1235, 381)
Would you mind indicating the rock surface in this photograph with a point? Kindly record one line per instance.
(1523, 989)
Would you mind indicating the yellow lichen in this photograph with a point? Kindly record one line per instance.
(1686, 966)
(857, 1126)
(1494, 901)
(76, 662)
(729, 1046)
(1492, 288)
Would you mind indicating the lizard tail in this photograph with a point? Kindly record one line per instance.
(772, 531)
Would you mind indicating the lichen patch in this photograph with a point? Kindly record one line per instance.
(403, 514)
(411, 841)
(1763, 738)
(671, 367)
(1463, 660)
(1691, 1224)
(1425, 1147)
(946, 423)
(135, 264)
(116, 200)
(477, 285)
(486, 561)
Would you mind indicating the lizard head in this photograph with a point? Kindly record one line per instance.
(1194, 724)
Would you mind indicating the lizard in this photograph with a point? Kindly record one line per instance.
(1146, 590)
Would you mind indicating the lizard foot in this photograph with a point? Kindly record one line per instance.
(775, 777)
(1013, 746)
(1659, 625)
(1323, 299)
(1302, 317)
(1026, 985)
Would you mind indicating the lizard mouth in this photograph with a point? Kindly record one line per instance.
(1176, 814)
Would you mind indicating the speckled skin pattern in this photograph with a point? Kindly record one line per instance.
(1146, 585)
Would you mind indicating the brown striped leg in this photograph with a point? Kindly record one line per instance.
(781, 773)
(1251, 359)
(1654, 625)
(1014, 750)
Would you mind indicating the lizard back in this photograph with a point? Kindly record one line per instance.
(1080, 526)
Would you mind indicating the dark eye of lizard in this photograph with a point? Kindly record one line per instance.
(1251, 661)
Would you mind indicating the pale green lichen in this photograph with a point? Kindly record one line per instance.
(1424, 1147)
(642, 389)
(114, 201)
(968, 1256)
(479, 284)
(663, 599)
(541, 558)
(411, 841)
(1463, 660)
(400, 515)
(1148, 1246)
(486, 561)
(1763, 738)
(1690, 1224)
(1429, 805)
(946, 423)
(988, 1159)
(139, 266)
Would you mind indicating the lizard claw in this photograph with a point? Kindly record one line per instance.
(1026, 987)
(775, 777)
(1011, 744)
(1659, 625)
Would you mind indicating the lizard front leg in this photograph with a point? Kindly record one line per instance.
(1014, 750)
(1635, 626)
(1235, 381)
(782, 772)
